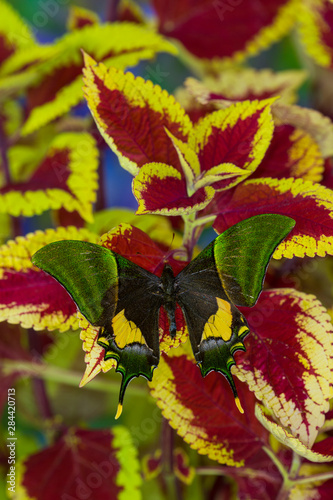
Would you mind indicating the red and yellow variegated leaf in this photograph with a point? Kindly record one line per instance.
(94, 357)
(285, 437)
(30, 297)
(316, 24)
(67, 177)
(308, 203)
(161, 189)
(288, 359)
(292, 153)
(132, 115)
(183, 470)
(230, 31)
(60, 80)
(14, 32)
(192, 106)
(82, 463)
(203, 412)
(128, 10)
(239, 135)
(159, 228)
(319, 126)
(135, 245)
(152, 465)
(246, 84)
(80, 17)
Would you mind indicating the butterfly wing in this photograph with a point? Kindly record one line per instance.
(229, 271)
(115, 294)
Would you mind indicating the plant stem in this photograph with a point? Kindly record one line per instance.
(202, 221)
(171, 481)
(60, 375)
(112, 14)
(39, 388)
(241, 471)
(4, 155)
(278, 464)
(295, 465)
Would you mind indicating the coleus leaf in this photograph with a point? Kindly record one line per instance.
(292, 153)
(246, 84)
(230, 31)
(311, 121)
(320, 452)
(102, 463)
(80, 17)
(288, 359)
(59, 86)
(67, 177)
(219, 151)
(315, 26)
(199, 411)
(149, 188)
(128, 10)
(14, 32)
(28, 296)
(132, 115)
(308, 203)
(124, 300)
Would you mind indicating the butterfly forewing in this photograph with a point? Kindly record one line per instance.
(115, 294)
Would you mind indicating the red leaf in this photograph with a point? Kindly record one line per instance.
(221, 28)
(82, 464)
(203, 412)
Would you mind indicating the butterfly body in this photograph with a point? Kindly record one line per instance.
(124, 300)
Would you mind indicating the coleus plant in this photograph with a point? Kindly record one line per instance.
(219, 165)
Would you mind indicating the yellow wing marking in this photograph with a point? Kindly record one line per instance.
(219, 324)
(243, 329)
(126, 332)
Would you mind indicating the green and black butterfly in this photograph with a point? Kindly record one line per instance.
(124, 300)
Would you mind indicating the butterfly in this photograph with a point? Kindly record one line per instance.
(124, 300)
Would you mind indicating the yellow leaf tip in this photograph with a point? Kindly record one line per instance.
(88, 60)
(119, 411)
(238, 404)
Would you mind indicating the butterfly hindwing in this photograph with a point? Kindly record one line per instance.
(242, 254)
(229, 271)
(132, 337)
(115, 294)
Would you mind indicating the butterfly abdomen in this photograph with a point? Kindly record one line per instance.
(169, 298)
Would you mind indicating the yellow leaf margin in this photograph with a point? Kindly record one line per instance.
(82, 182)
(16, 256)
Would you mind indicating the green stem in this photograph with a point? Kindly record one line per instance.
(202, 221)
(295, 465)
(242, 471)
(60, 375)
(188, 237)
(316, 477)
(279, 465)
